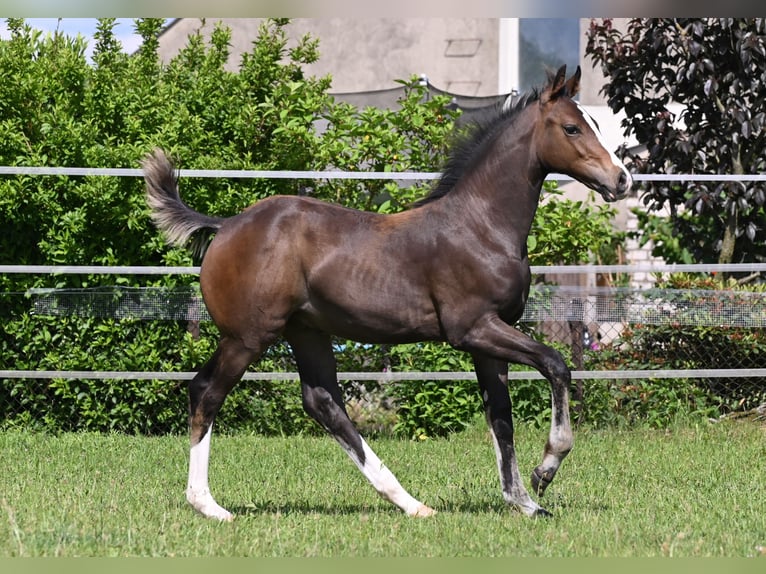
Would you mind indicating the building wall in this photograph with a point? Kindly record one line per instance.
(593, 79)
(458, 55)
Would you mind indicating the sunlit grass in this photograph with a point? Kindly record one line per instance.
(692, 491)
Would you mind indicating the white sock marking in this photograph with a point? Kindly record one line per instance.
(517, 495)
(197, 489)
(384, 481)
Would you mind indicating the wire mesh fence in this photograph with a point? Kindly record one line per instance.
(628, 347)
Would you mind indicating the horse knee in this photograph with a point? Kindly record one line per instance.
(555, 368)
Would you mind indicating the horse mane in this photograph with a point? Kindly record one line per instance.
(471, 142)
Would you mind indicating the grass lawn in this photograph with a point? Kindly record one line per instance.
(690, 491)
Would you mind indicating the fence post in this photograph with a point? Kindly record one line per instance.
(577, 337)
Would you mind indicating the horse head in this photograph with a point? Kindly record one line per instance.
(569, 141)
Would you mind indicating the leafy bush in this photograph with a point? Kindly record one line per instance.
(656, 403)
(571, 232)
(433, 408)
(715, 68)
(56, 109)
(48, 343)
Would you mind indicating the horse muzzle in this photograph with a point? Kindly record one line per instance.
(619, 190)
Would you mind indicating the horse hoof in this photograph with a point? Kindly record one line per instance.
(209, 508)
(542, 513)
(424, 511)
(540, 481)
(218, 513)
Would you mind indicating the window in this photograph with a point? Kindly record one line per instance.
(530, 45)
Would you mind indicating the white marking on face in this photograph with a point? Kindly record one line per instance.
(508, 103)
(592, 123)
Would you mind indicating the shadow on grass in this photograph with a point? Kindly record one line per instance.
(496, 505)
(270, 507)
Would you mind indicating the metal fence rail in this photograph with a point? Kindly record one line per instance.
(391, 376)
(335, 174)
(536, 269)
(406, 376)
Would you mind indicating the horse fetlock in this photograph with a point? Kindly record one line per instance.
(559, 446)
(529, 508)
(541, 479)
(517, 497)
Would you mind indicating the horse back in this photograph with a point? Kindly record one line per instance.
(353, 273)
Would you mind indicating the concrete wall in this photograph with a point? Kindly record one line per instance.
(593, 79)
(459, 55)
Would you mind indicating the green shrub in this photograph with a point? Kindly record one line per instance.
(56, 109)
(656, 403)
(76, 343)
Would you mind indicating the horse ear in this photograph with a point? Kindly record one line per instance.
(573, 84)
(558, 79)
(556, 84)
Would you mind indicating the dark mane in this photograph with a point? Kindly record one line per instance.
(470, 144)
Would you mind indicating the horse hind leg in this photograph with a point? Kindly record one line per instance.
(323, 401)
(207, 391)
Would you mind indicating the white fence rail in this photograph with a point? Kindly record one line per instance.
(391, 376)
(386, 376)
(321, 174)
(536, 269)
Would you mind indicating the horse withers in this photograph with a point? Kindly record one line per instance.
(452, 268)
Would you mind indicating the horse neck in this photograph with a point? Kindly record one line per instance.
(501, 194)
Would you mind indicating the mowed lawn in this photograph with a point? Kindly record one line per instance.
(691, 491)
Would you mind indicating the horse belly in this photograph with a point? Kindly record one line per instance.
(370, 317)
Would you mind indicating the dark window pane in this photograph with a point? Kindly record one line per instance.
(546, 43)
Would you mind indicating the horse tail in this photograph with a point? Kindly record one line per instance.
(181, 225)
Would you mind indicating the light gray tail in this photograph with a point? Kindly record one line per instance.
(181, 225)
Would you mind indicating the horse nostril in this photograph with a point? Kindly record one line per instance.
(623, 183)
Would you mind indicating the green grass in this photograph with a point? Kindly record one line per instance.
(692, 491)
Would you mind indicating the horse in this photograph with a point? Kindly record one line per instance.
(453, 267)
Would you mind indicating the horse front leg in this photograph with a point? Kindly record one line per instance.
(560, 438)
(492, 375)
(492, 337)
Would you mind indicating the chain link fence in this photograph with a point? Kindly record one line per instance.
(627, 345)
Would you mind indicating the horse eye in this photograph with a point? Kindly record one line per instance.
(571, 130)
